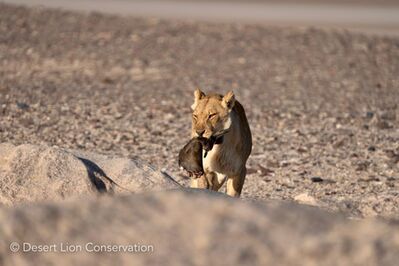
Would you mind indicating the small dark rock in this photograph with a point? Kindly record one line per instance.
(369, 114)
(371, 148)
(369, 179)
(22, 106)
(317, 179)
(302, 149)
(362, 165)
(107, 80)
(303, 173)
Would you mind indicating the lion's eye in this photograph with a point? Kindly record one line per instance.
(194, 117)
(211, 116)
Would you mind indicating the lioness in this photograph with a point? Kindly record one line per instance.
(213, 114)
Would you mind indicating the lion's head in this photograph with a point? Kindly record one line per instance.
(211, 113)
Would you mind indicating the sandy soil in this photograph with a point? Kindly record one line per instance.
(218, 231)
(322, 105)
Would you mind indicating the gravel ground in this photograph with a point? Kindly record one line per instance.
(322, 105)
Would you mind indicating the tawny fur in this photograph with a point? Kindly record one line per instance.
(226, 161)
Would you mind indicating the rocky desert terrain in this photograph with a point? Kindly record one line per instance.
(322, 106)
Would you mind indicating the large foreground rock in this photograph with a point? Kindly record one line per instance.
(189, 228)
(32, 173)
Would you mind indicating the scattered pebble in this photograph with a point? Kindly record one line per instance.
(316, 179)
(305, 198)
(22, 106)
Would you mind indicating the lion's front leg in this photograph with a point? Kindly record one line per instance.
(215, 182)
(200, 182)
(235, 183)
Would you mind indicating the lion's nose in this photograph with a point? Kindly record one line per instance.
(200, 132)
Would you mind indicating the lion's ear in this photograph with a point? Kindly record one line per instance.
(198, 95)
(228, 100)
